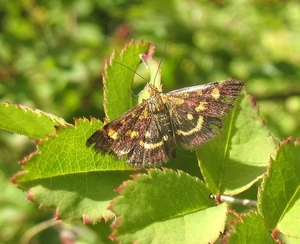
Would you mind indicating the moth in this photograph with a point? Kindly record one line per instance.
(147, 134)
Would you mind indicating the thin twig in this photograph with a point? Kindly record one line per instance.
(29, 234)
(244, 202)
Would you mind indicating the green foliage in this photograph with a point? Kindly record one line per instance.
(23, 120)
(80, 183)
(166, 206)
(117, 76)
(66, 174)
(234, 167)
(51, 56)
(279, 197)
(249, 229)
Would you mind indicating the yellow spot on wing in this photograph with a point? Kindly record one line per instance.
(146, 145)
(177, 100)
(215, 93)
(144, 114)
(134, 134)
(190, 116)
(123, 122)
(112, 134)
(199, 93)
(192, 131)
(201, 107)
(147, 134)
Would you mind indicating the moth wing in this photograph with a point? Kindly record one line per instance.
(137, 135)
(155, 148)
(196, 111)
(121, 135)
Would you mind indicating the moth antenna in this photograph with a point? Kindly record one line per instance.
(161, 59)
(130, 70)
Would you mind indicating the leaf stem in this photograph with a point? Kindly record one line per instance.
(244, 202)
(37, 229)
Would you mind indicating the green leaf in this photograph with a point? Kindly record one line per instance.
(23, 120)
(167, 207)
(244, 229)
(118, 79)
(238, 156)
(66, 174)
(279, 198)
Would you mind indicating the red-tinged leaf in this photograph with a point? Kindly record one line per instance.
(166, 207)
(26, 121)
(66, 175)
(279, 197)
(118, 79)
(249, 229)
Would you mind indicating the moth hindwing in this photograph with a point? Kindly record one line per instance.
(147, 134)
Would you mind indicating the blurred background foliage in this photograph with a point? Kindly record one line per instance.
(52, 54)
